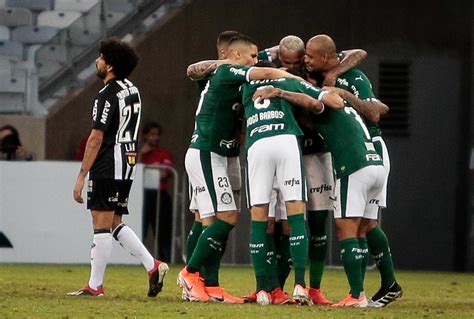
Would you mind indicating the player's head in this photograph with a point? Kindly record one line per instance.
(265, 64)
(242, 50)
(291, 52)
(223, 42)
(116, 58)
(151, 133)
(320, 53)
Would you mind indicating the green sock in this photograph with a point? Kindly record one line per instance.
(364, 251)
(380, 250)
(298, 246)
(350, 257)
(271, 271)
(211, 239)
(210, 269)
(284, 262)
(192, 239)
(258, 252)
(318, 246)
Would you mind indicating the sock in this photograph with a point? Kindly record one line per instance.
(298, 247)
(130, 241)
(211, 239)
(318, 246)
(271, 272)
(258, 252)
(100, 253)
(210, 269)
(192, 239)
(351, 260)
(380, 250)
(364, 251)
(284, 262)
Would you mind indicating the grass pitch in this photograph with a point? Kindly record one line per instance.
(38, 291)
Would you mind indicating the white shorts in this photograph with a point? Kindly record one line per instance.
(212, 178)
(381, 148)
(356, 194)
(277, 207)
(276, 157)
(320, 179)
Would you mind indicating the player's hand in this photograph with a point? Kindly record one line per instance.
(265, 92)
(330, 79)
(77, 192)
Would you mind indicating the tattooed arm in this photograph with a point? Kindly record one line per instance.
(351, 59)
(202, 69)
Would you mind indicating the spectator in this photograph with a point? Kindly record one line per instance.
(11, 148)
(151, 153)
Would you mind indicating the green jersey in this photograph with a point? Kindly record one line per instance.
(273, 116)
(264, 55)
(356, 82)
(216, 115)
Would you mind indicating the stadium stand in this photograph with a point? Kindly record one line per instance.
(14, 17)
(75, 5)
(11, 48)
(33, 35)
(4, 33)
(57, 19)
(33, 5)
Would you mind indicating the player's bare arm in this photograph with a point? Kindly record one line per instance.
(200, 70)
(301, 99)
(92, 149)
(372, 109)
(352, 58)
(270, 73)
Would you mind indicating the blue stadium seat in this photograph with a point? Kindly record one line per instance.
(58, 19)
(75, 5)
(11, 48)
(34, 5)
(14, 17)
(33, 35)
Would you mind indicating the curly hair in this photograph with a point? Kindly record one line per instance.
(120, 55)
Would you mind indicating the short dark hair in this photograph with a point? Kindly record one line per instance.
(11, 128)
(225, 36)
(120, 55)
(242, 38)
(149, 126)
(265, 64)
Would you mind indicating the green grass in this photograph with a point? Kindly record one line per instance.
(38, 291)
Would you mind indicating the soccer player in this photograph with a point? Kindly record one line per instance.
(359, 171)
(110, 159)
(318, 167)
(355, 87)
(207, 159)
(271, 122)
(210, 269)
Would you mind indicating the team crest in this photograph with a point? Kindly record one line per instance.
(226, 198)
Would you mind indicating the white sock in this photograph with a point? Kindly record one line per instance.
(100, 253)
(130, 241)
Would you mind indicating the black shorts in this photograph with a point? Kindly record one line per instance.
(108, 195)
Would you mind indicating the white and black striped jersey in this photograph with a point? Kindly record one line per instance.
(116, 111)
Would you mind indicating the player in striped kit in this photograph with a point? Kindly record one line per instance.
(110, 159)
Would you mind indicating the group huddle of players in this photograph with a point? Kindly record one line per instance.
(312, 146)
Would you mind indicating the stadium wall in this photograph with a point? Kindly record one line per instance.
(428, 193)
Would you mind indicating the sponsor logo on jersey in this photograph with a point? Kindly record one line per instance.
(94, 111)
(124, 203)
(267, 128)
(321, 189)
(342, 82)
(373, 157)
(199, 189)
(131, 158)
(237, 71)
(226, 198)
(354, 90)
(105, 113)
(266, 81)
(292, 182)
(268, 115)
(228, 144)
(374, 201)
